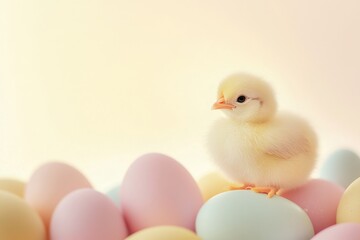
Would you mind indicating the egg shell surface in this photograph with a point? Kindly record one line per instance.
(349, 205)
(164, 233)
(341, 167)
(49, 184)
(86, 214)
(212, 184)
(14, 186)
(114, 195)
(343, 231)
(248, 215)
(319, 198)
(157, 190)
(18, 221)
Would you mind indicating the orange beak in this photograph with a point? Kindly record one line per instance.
(221, 104)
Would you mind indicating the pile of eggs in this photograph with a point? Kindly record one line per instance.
(158, 199)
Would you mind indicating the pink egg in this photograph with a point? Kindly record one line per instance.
(86, 214)
(49, 184)
(157, 190)
(319, 198)
(344, 231)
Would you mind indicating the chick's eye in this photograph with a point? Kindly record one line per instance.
(241, 99)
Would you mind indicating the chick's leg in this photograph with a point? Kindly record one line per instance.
(270, 191)
(244, 186)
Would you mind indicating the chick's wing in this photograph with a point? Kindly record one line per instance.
(286, 137)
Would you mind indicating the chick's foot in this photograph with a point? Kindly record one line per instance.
(245, 186)
(270, 191)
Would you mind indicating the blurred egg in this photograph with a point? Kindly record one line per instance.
(18, 221)
(157, 190)
(212, 184)
(86, 214)
(49, 184)
(164, 233)
(319, 199)
(248, 215)
(344, 231)
(12, 185)
(349, 205)
(114, 195)
(341, 167)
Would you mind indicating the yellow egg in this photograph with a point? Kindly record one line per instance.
(12, 185)
(164, 233)
(349, 205)
(18, 221)
(213, 184)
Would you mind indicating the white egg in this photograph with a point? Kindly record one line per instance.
(248, 215)
(341, 167)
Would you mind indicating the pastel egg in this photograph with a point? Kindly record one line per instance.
(49, 184)
(18, 221)
(212, 184)
(248, 215)
(157, 190)
(164, 233)
(319, 199)
(86, 214)
(349, 205)
(12, 185)
(341, 167)
(344, 231)
(114, 195)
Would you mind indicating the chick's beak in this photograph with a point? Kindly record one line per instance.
(221, 104)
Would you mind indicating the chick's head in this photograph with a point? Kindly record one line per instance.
(246, 98)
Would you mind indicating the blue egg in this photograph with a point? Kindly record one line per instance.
(114, 195)
(249, 215)
(341, 167)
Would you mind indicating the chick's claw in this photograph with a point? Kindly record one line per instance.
(270, 191)
(245, 186)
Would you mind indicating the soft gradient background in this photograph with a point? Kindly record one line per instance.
(97, 83)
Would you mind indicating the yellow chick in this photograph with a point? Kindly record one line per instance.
(265, 151)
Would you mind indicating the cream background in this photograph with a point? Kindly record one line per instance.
(98, 83)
